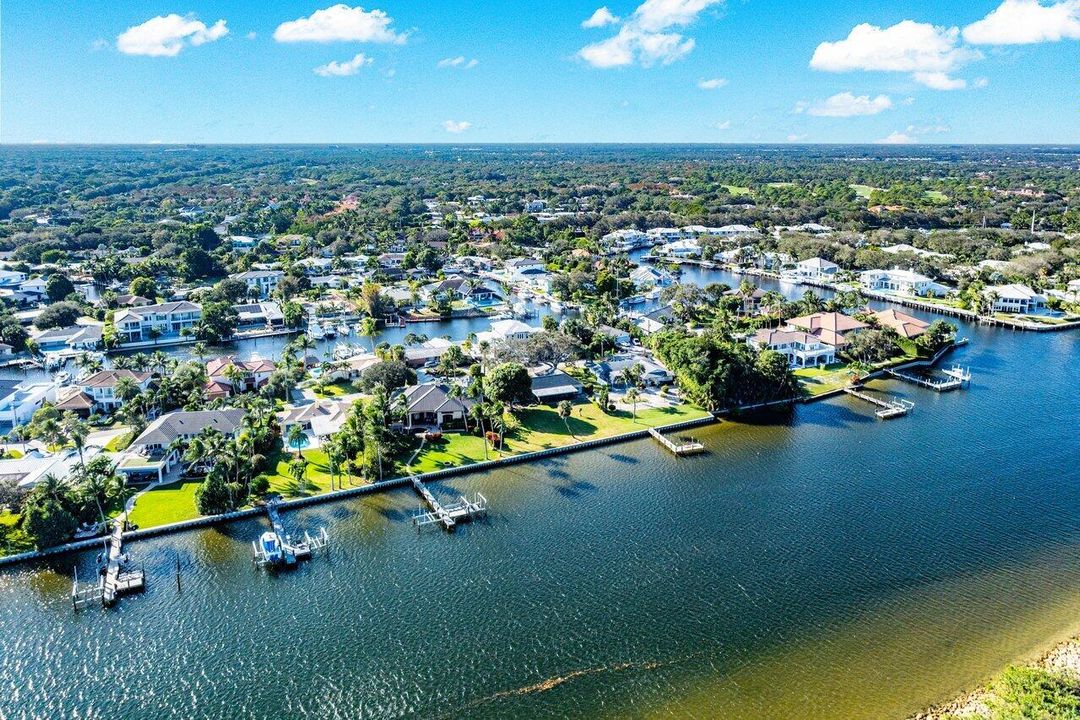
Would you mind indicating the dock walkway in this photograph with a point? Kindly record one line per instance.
(446, 515)
(888, 408)
(687, 448)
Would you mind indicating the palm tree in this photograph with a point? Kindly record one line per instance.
(126, 388)
(632, 396)
(76, 430)
(201, 351)
(566, 409)
(88, 363)
(369, 330)
(296, 437)
(298, 471)
(332, 448)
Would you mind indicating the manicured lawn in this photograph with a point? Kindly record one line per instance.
(936, 196)
(818, 381)
(864, 191)
(318, 473)
(736, 189)
(335, 389)
(542, 428)
(166, 504)
(120, 442)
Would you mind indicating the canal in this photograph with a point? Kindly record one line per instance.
(815, 564)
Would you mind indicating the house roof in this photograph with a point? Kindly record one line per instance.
(185, 423)
(828, 326)
(432, 398)
(554, 384)
(771, 337)
(217, 366)
(159, 309)
(73, 399)
(109, 378)
(905, 325)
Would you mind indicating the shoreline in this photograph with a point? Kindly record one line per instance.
(1063, 658)
(403, 480)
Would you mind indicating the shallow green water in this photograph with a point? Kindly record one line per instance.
(823, 564)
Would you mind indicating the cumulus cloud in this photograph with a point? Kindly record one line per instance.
(601, 18)
(340, 23)
(928, 52)
(725, 125)
(167, 35)
(712, 83)
(456, 126)
(1018, 22)
(846, 104)
(344, 68)
(641, 39)
(897, 138)
(458, 62)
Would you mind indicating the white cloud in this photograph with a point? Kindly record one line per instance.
(846, 104)
(344, 68)
(939, 81)
(458, 62)
(981, 82)
(794, 138)
(251, 35)
(1018, 22)
(340, 23)
(456, 126)
(726, 125)
(167, 35)
(897, 138)
(600, 18)
(641, 41)
(712, 83)
(930, 53)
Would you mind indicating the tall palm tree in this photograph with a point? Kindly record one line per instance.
(76, 430)
(201, 351)
(296, 437)
(369, 330)
(632, 396)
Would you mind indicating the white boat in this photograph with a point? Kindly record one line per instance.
(62, 378)
(270, 545)
(343, 329)
(329, 330)
(358, 328)
(556, 305)
(314, 330)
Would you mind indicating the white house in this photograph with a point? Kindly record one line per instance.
(154, 452)
(11, 278)
(263, 281)
(1015, 298)
(625, 240)
(800, 348)
(99, 390)
(19, 405)
(681, 249)
(35, 287)
(645, 277)
(901, 282)
(520, 269)
(817, 269)
(154, 321)
(507, 330)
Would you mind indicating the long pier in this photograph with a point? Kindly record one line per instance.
(888, 408)
(688, 448)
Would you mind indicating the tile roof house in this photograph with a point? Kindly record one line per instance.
(322, 418)
(430, 405)
(250, 375)
(829, 327)
(100, 390)
(152, 453)
(153, 321)
(905, 325)
(800, 348)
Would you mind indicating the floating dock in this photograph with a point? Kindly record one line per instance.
(693, 447)
(115, 581)
(955, 378)
(888, 408)
(446, 515)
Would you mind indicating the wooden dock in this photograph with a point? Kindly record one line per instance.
(687, 448)
(888, 408)
(291, 551)
(116, 580)
(446, 515)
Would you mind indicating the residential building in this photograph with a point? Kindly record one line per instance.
(73, 337)
(645, 277)
(430, 406)
(97, 393)
(155, 452)
(652, 372)
(155, 321)
(244, 375)
(551, 385)
(619, 337)
(19, 405)
(905, 325)
(519, 269)
(320, 420)
(262, 282)
(507, 330)
(11, 278)
(814, 269)
(250, 316)
(901, 282)
(1015, 298)
(832, 328)
(800, 348)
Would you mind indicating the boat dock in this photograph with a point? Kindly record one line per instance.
(115, 581)
(446, 515)
(955, 377)
(693, 447)
(290, 552)
(888, 408)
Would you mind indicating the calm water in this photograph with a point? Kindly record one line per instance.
(821, 564)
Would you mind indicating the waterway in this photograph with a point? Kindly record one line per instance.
(818, 564)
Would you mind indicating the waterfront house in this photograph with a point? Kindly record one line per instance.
(257, 316)
(830, 327)
(688, 248)
(800, 348)
(1015, 298)
(99, 391)
(320, 420)
(646, 278)
(750, 302)
(155, 452)
(905, 325)
(165, 320)
(507, 330)
(430, 406)
(70, 338)
(619, 337)
(20, 403)
(815, 269)
(524, 269)
(427, 353)
(611, 370)
(625, 240)
(260, 283)
(227, 376)
(550, 385)
(902, 282)
(11, 278)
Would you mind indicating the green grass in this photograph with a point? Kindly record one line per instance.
(864, 191)
(1021, 693)
(781, 184)
(818, 381)
(317, 472)
(120, 442)
(542, 428)
(8, 518)
(335, 389)
(736, 189)
(936, 196)
(166, 504)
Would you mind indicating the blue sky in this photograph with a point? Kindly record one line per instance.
(462, 71)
